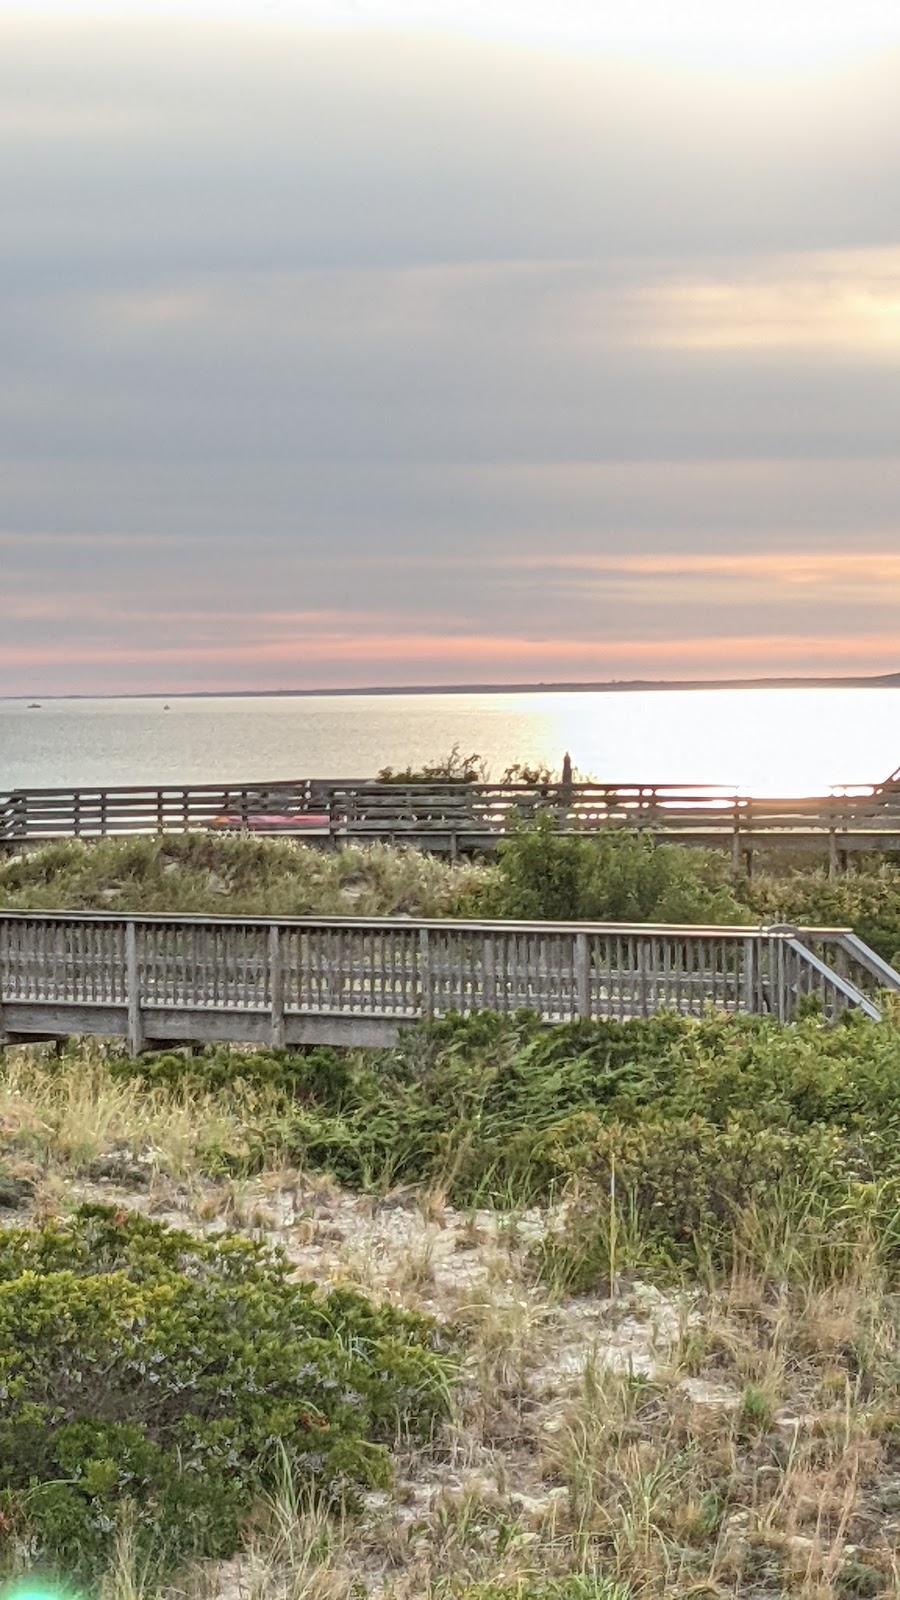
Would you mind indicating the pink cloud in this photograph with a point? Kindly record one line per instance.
(358, 655)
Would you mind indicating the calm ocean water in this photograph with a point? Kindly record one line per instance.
(766, 741)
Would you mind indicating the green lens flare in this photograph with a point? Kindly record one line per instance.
(35, 1591)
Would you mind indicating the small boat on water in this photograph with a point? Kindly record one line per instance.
(34, 705)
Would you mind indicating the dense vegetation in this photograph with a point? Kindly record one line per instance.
(627, 877)
(167, 1395)
(867, 900)
(239, 875)
(618, 877)
(148, 1374)
(731, 1181)
(700, 1125)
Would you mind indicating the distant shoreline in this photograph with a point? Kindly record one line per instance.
(888, 680)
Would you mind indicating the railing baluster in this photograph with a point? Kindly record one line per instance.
(68, 967)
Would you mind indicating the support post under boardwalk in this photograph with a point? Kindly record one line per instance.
(133, 990)
(276, 988)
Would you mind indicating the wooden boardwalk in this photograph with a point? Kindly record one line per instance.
(463, 817)
(162, 980)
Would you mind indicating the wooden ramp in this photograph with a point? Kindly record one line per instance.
(159, 980)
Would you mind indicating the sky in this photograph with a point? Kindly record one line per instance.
(350, 342)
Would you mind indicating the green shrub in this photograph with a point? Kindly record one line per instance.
(616, 877)
(139, 1364)
(677, 1194)
(619, 876)
(866, 900)
(466, 1102)
(704, 1125)
(857, 1581)
(700, 1122)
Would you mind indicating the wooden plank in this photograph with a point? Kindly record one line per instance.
(276, 988)
(133, 987)
(382, 967)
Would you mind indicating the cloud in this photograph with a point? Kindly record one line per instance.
(329, 355)
(816, 305)
(346, 660)
(822, 573)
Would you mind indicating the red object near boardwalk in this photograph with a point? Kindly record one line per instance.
(271, 821)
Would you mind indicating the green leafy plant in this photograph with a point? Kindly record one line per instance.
(454, 767)
(699, 1128)
(144, 1369)
(617, 877)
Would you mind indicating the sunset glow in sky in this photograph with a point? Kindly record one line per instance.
(397, 341)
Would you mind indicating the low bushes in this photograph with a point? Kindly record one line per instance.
(149, 1374)
(234, 875)
(691, 1124)
(691, 1194)
(867, 900)
(621, 876)
(625, 877)
(616, 877)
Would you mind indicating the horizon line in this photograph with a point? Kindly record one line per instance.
(885, 680)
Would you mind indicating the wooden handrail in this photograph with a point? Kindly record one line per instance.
(296, 980)
(344, 809)
(712, 930)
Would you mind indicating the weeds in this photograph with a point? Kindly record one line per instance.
(197, 872)
(730, 1429)
(726, 1144)
(538, 873)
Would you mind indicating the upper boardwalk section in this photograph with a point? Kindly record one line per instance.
(161, 980)
(454, 817)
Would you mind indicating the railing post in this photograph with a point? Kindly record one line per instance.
(736, 838)
(751, 1001)
(778, 964)
(276, 988)
(779, 951)
(4, 1035)
(426, 985)
(640, 973)
(133, 991)
(583, 975)
(488, 979)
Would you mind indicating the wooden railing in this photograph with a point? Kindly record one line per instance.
(450, 816)
(164, 979)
